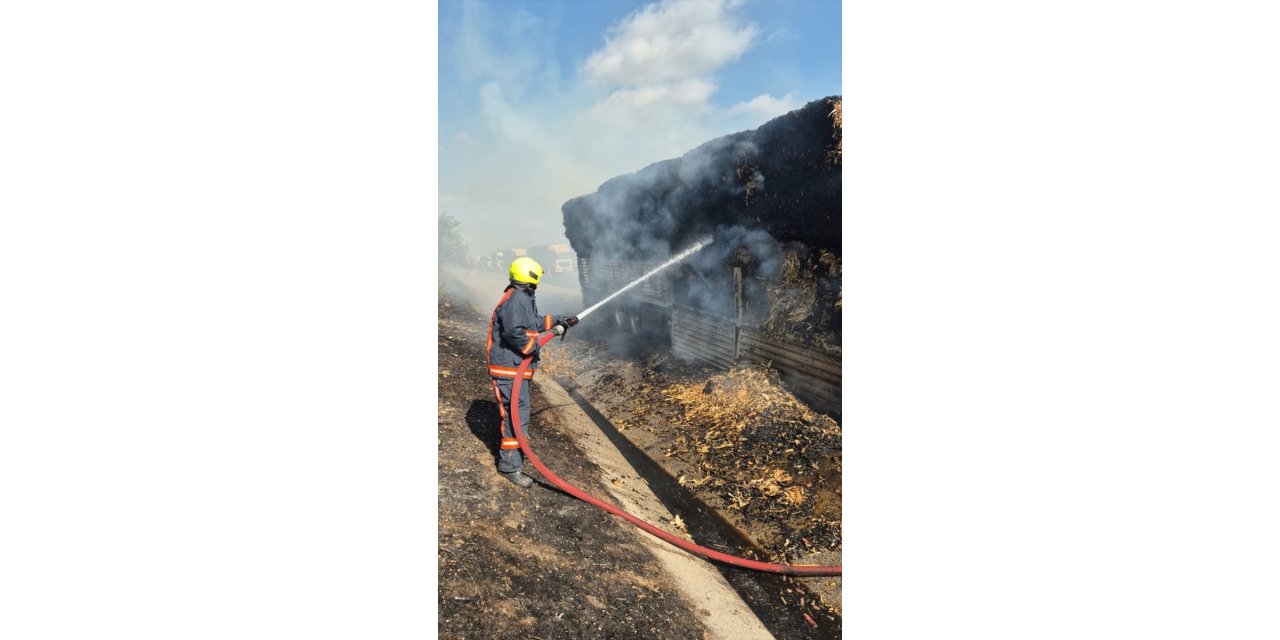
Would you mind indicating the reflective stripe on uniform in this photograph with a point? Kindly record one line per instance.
(510, 443)
(502, 410)
(546, 323)
(488, 343)
(508, 372)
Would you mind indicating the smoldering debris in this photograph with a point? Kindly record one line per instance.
(790, 292)
(762, 452)
(804, 302)
(739, 440)
(769, 197)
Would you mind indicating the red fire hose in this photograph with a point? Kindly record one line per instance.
(710, 554)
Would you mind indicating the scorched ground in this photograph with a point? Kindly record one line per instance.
(537, 563)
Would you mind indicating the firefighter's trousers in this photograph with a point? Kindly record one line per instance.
(509, 458)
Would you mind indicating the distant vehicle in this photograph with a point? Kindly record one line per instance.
(554, 258)
(562, 261)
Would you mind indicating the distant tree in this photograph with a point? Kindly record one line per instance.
(452, 249)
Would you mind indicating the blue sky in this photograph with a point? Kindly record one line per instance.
(541, 101)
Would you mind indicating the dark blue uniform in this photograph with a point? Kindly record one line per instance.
(513, 336)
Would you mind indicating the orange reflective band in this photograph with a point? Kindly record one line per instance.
(528, 348)
(547, 323)
(508, 372)
(502, 411)
(510, 443)
(488, 343)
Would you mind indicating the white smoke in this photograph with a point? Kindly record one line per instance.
(540, 135)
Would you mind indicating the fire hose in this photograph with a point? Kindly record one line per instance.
(691, 547)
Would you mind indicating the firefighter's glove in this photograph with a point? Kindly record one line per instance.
(564, 324)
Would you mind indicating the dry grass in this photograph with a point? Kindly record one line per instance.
(557, 363)
(727, 401)
(838, 154)
(747, 175)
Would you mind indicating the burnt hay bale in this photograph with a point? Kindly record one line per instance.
(782, 178)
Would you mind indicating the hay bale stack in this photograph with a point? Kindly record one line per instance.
(783, 178)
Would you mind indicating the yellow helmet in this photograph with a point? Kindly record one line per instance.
(525, 270)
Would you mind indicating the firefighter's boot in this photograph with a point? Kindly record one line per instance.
(519, 478)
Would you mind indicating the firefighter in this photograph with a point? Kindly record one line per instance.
(513, 334)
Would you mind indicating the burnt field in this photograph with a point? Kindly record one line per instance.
(539, 563)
